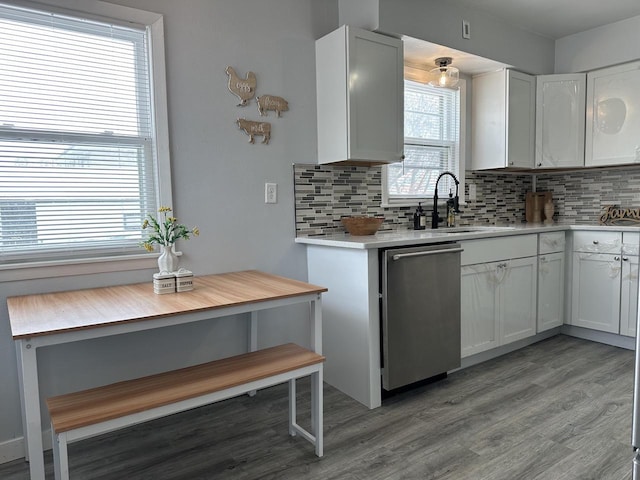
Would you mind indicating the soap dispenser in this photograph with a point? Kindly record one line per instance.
(451, 213)
(419, 218)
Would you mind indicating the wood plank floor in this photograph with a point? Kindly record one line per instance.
(559, 409)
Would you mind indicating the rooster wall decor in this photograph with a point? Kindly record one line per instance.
(243, 88)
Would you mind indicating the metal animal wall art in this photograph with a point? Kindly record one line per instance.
(243, 88)
(253, 129)
(271, 102)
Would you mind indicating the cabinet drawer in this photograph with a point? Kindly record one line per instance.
(631, 243)
(501, 248)
(551, 242)
(597, 242)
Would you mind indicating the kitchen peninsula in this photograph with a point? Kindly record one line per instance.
(350, 268)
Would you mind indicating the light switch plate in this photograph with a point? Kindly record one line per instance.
(466, 29)
(270, 193)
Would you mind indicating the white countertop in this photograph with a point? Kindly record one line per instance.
(398, 238)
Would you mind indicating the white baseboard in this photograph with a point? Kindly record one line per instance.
(13, 449)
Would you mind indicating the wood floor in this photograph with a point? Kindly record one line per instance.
(559, 409)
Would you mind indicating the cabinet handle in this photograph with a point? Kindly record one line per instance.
(540, 164)
(502, 265)
(625, 259)
(616, 259)
(595, 242)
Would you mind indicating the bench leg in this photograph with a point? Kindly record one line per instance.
(292, 407)
(60, 456)
(316, 411)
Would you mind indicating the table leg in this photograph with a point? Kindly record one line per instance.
(30, 397)
(253, 332)
(316, 411)
(253, 338)
(316, 325)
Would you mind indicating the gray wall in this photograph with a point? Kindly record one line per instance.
(218, 184)
(600, 47)
(440, 22)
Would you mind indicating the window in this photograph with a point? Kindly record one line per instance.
(79, 161)
(432, 119)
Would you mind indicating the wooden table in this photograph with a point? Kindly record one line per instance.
(56, 318)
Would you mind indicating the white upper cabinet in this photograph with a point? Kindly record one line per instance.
(360, 97)
(503, 120)
(560, 119)
(613, 116)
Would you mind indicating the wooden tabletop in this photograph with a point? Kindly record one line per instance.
(50, 313)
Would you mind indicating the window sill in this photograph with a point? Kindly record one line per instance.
(85, 266)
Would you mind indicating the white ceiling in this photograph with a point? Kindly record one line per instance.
(549, 18)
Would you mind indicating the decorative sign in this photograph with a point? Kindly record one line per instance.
(614, 215)
(243, 88)
(253, 129)
(271, 102)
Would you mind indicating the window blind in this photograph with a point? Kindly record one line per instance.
(77, 157)
(432, 136)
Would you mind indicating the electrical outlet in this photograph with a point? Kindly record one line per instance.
(270, 193)
(472, 192)
(466, 29)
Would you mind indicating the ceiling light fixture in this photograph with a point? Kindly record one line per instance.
(444, 75)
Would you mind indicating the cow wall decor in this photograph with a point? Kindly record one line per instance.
(253, 129)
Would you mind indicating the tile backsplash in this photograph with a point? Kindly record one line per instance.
(324, 193)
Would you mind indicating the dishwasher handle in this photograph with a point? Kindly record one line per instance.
(399, 256)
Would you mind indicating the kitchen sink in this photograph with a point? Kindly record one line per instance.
(488, 228)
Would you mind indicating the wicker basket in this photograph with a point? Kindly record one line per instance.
(358, 226)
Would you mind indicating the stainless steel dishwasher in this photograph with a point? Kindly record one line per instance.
(420, 313)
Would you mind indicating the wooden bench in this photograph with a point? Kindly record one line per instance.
(83, 414)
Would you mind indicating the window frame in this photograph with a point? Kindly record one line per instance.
(154, 25)
(389, 202)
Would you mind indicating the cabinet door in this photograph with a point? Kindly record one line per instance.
(479, 308)
(613, 115)
(376, 96)
(359, 97)
(550, 291)
(560, 119)
(629, 296)
(521, 91)
(517, 315)
(596, 291)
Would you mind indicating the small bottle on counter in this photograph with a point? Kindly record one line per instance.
(451, 214)
(419, 218)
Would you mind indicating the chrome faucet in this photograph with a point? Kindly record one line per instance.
(435, 218)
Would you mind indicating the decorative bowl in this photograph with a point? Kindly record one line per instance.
(358, 226)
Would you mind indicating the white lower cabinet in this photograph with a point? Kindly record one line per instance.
(550, 291)
(629, 295)
(551, 279)
(498, 303)
(596, 291)
(605, 281)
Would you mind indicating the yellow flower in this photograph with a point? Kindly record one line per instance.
(164, 230)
